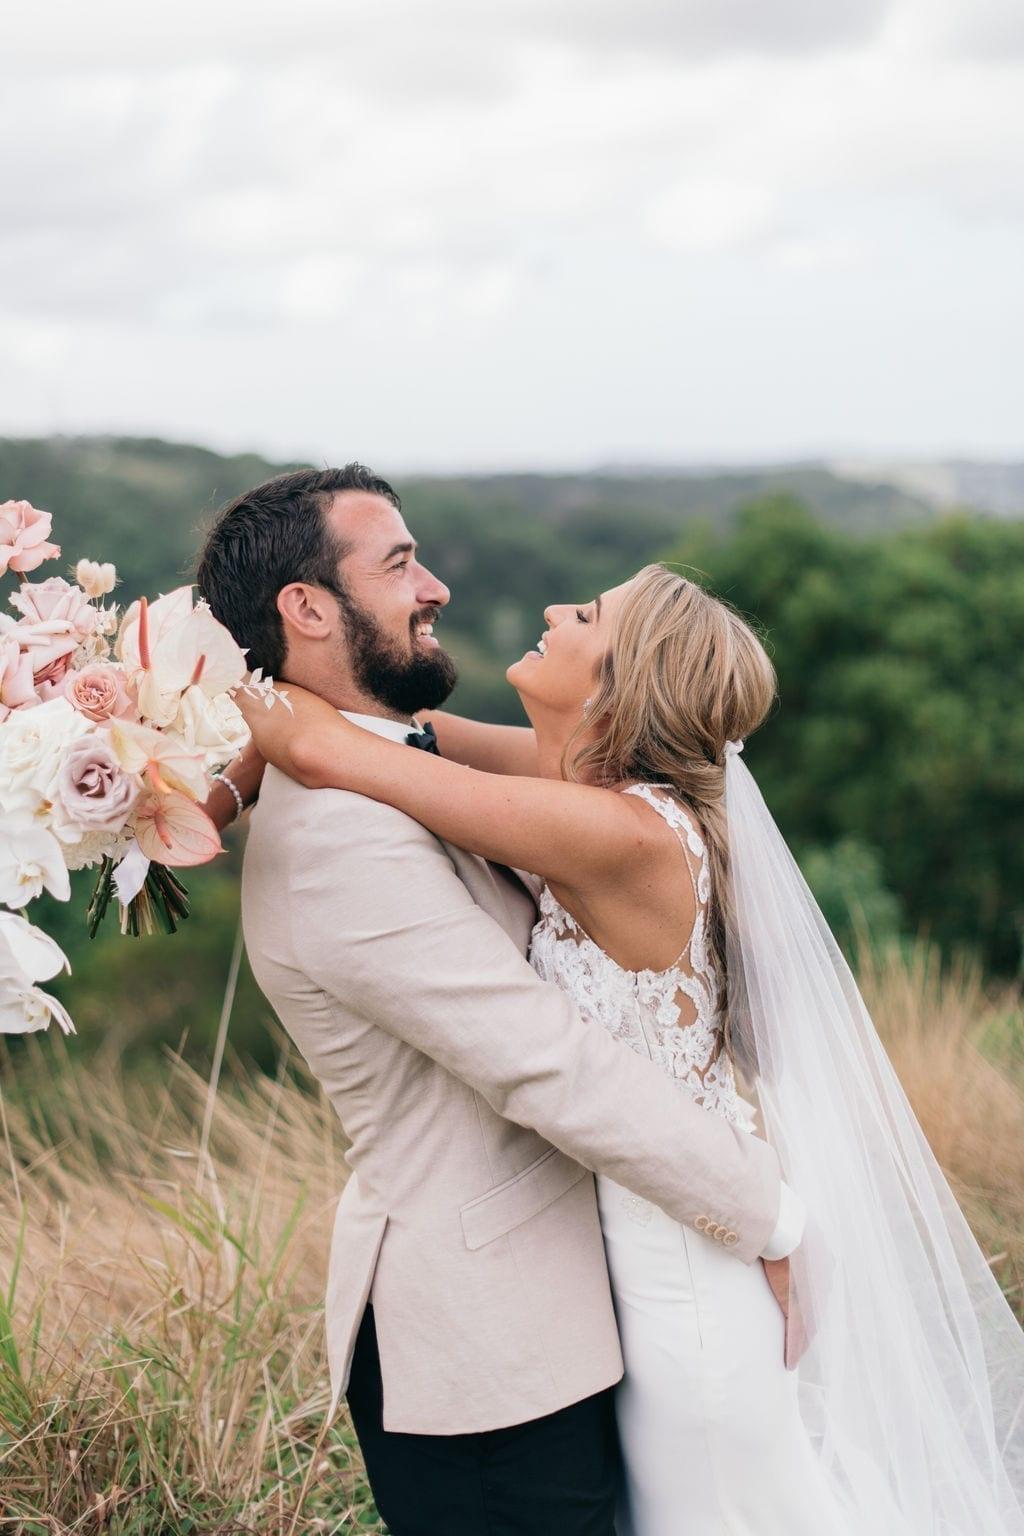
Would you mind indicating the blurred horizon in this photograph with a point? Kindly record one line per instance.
(978, 483)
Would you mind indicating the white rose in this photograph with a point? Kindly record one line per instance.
(33, 744)
(215, 726)
(94, 579)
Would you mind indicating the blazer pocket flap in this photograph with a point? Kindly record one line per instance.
(526, 1194)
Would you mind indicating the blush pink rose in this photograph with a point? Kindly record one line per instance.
(24, 532)
(56, 619)
(16, 688)
(49, 651)
(56, 601)
(98, 693)
(94, 789)
(49, 681)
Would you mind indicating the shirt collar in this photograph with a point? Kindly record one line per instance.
(395, 730)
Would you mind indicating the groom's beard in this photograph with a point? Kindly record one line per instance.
(404, 682)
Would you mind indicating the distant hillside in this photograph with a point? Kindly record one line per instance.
(992, 487)
(506, 544)
(141, 502)
(152, 499)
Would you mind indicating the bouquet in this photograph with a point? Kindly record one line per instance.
(112, 727)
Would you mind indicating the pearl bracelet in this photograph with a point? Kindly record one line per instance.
(230, 784)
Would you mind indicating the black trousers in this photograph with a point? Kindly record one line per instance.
(555, 1476)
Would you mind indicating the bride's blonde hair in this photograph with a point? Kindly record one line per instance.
(684, 674)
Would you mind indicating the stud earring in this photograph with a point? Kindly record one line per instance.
(586, 706)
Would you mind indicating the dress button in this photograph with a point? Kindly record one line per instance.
(702, 1223)
(717, 1232)
(729, 1239)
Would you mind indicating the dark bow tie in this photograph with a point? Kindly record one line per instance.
(426, 739)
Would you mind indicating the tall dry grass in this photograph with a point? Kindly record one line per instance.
(164, 1254)
(958, 1047)
(164, 1249)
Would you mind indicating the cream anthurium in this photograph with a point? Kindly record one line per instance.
(31, 861)
(164, 762)
(28, 956)
(170, 645)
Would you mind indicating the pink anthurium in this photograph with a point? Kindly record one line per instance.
(171, 829)
(144, 657)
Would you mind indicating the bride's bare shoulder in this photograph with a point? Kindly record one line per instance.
(649, 821)
(641, 911)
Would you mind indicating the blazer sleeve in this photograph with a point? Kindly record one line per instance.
(381, 920)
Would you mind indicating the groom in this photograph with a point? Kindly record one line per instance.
(469, 1317)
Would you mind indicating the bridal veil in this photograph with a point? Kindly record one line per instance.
(912, 1384)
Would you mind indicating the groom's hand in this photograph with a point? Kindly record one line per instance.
(780, 1278)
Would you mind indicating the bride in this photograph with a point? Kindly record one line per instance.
(675, 918)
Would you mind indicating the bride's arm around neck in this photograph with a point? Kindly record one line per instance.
(491, 748)
(573, 834)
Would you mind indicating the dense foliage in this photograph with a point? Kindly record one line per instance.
(895, 762)
(899, 738)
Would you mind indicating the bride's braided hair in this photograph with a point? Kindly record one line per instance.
(683, 675)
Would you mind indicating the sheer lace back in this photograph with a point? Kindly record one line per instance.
(672, 1016)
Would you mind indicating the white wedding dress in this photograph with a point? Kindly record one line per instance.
(712, 1438)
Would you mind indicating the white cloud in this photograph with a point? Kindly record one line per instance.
(705, 213)
(520, 218)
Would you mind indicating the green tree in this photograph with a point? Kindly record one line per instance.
(901, 675)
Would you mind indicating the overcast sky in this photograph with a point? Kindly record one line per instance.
(506, 233)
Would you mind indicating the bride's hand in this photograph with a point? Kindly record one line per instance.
(246, 773)
(285, 732)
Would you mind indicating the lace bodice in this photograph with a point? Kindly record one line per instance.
(672, 1016)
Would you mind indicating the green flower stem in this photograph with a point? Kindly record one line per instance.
(163, 901)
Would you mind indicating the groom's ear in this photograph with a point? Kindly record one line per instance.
(307, 611)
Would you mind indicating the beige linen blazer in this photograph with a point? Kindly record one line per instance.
(475, 1099)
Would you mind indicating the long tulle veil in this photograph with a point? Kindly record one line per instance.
(913, 1382)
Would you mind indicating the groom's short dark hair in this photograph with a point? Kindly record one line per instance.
(272, 535)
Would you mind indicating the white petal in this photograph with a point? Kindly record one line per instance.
(36, 955)
(20, 1013)
(56, 1009)
(130, 874)
(34, 846)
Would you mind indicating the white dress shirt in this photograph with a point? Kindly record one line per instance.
(789, 1229)
(395, 730)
